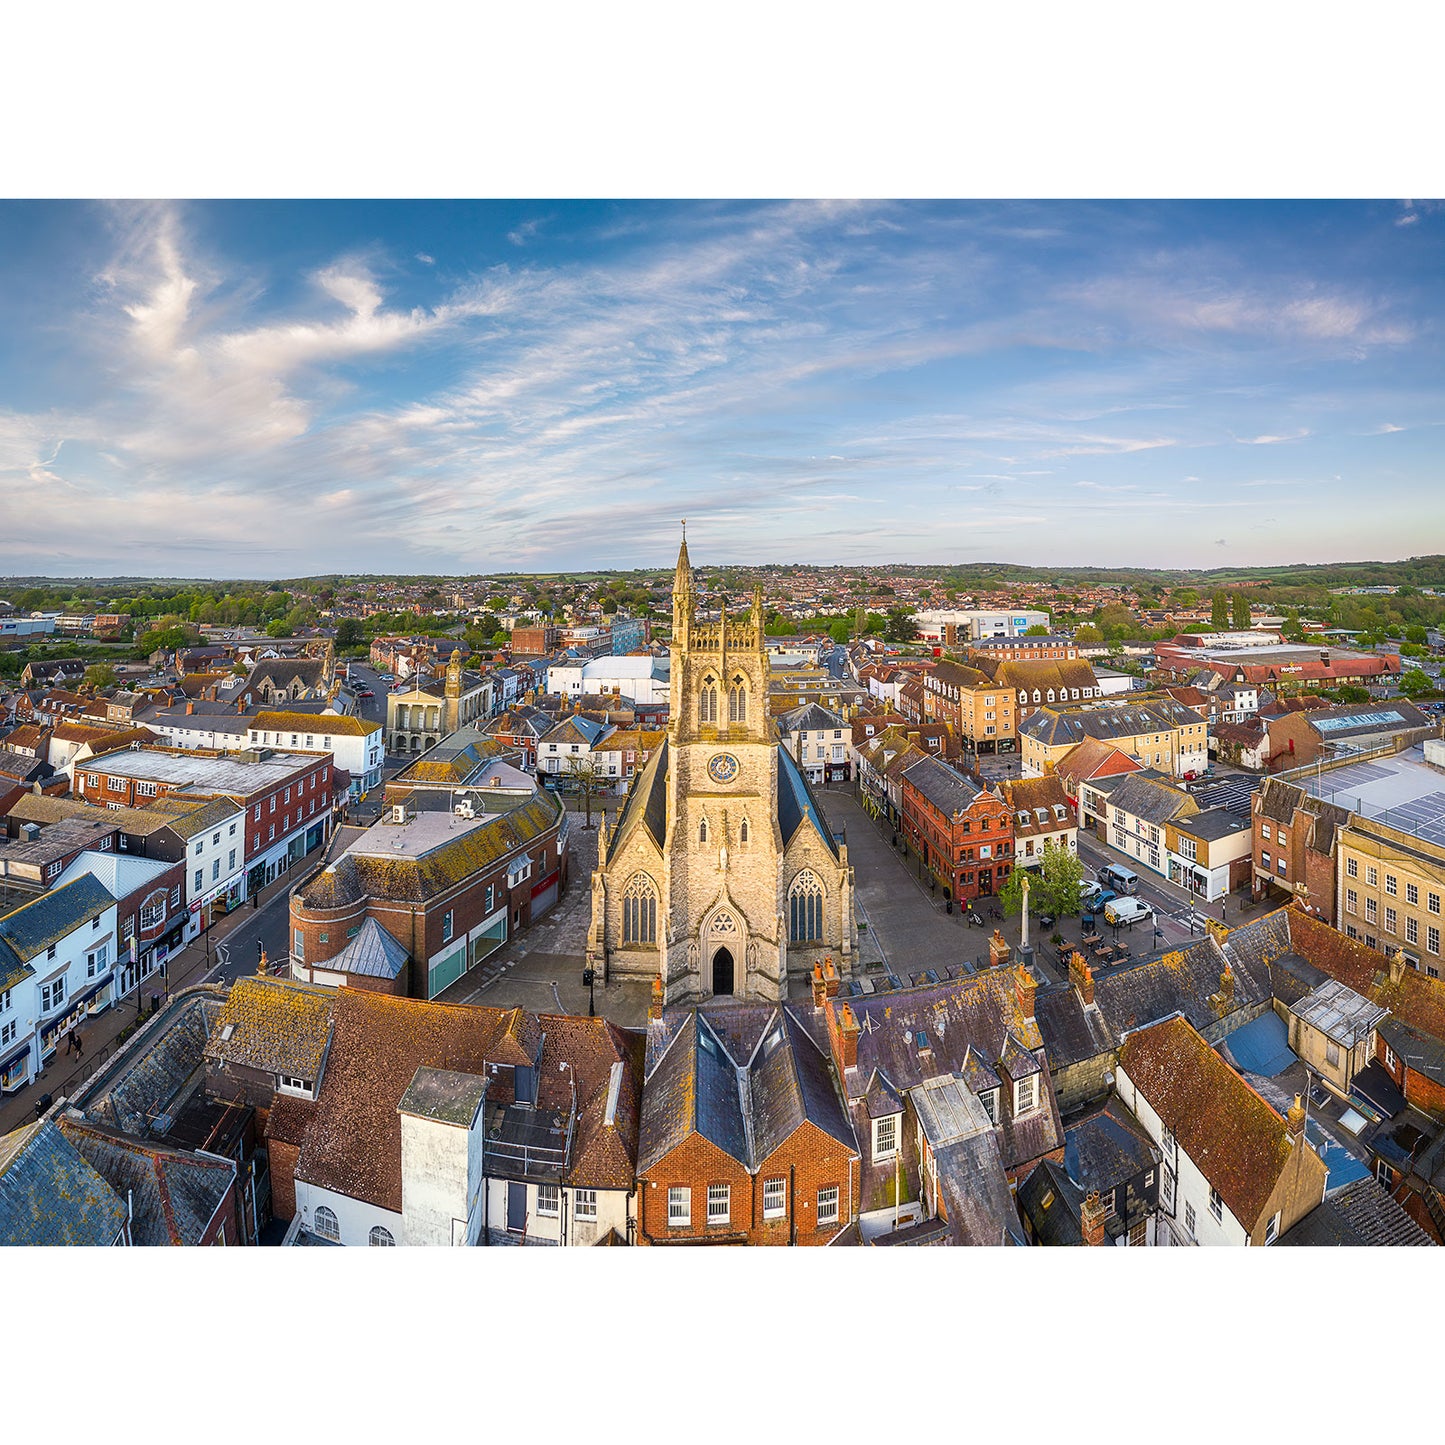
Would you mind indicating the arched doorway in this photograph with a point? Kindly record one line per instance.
(722, 971)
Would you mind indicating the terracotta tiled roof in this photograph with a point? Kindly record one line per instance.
(1235, 1138)
(353, 1145)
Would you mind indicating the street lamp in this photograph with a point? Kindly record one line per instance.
(589, 977)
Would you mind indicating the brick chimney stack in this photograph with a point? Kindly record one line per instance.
(654, 1005)
(998, 950)
(1217, 929)
(1025, 987)
(820, 989)
(830, 976)
(848, 1038)
(1091, 1217)
(1294, 1121)
(1398, 965)
(1082, 978)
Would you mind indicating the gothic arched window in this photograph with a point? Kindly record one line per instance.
(805, 908)
(707, 701)
(743, 832)
(737, 702)
(639, 910)
(702, 831)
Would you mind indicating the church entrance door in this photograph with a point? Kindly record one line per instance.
(722, 972)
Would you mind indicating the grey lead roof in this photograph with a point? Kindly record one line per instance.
(373, 953)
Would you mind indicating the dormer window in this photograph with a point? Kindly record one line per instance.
(885, 1136)
(301, 1088)
(1026, 1095)
(989, 1099)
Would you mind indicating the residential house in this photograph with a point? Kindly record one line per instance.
(1293, 843)
(1134, 809)
(1091, 758)
(948, 1089)
(1105, 1190)
(355, 743)
(1233, 1172)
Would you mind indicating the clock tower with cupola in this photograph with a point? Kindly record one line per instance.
(722, 877)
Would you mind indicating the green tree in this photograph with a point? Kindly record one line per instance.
(1088, 635)
(1184, 597)
(280, 627)
(1413, 682)
(1062, 876)
(1239, 612)
(349, 633)
(899, 626)
(1037, 631)
(99, 675)
(1219, 612)
(839, 630)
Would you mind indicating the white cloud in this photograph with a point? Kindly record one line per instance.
(1269, 441)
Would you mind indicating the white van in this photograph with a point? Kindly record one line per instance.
(1127, 910)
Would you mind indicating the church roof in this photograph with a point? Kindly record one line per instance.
(796, 803)
(646, 804)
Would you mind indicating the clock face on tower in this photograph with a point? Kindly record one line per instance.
(722, 767)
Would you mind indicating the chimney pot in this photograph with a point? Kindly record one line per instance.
(654, 1006)
(1025, 987)
(1091, 1218)
(1295, 1119)
(830, 976)
(820, 988)
(848, 1041)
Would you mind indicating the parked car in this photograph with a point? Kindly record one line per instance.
(1128, 911)
(1119, 878)
(1093, 896)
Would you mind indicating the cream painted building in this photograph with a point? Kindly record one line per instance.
(722, 876)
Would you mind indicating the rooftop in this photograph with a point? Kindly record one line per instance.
(233, 773)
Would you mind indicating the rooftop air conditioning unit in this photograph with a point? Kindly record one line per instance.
(398, 812)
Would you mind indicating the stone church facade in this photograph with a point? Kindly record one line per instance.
(722, 876)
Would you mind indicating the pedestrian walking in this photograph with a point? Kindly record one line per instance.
(69, 1043)
(79, 1050)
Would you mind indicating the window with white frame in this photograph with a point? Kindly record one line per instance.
(1392, 1062)
(1352, 868)
(679, 1206)
(1352, 901)
(775, 1198)
(1271, 1230)
(719, 1203)
(885, 1136)
(1432, 902)
(1432, 939)
(548, 1198)
(584, 1203)
(1390, 921)
(299, 944)
(989, 1099)
(52, 994)
(380, 1237)
(8, 1032)
(1391, 886)
(1216, 1204)
(828, 1204)
(287, 1084)
(1372, 876)
(1189, 1219)
(1026, 1095)
(1166, 1190)
(325, 1223)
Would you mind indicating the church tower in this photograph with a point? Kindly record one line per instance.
(722, 877)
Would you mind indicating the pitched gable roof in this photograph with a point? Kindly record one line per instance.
(1237, 1141)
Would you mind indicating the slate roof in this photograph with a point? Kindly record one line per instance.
(797, 804)
(28, 931)
(811, 716)
(1149, 799)
(950, 791)
(1361, 1213)
(646, 804)
(693, 1090)
(748, 1109)
(1107, 1148)
(174, 1193)
(973, 1184)
(1056, 726)
(1237, 1141)
(275, 1026)
(49, 1194)
(1052, 1202)
(373, 953)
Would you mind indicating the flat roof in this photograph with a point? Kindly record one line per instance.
(417, 836)
(1402, 792)
(229, 774)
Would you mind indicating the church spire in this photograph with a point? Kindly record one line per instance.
(682, 595)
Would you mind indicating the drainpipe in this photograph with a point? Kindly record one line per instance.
(793, 1203)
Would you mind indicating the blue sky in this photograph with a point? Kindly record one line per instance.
(259, 389)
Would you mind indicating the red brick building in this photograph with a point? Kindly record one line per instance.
(963, 830)
(743, 1138)
(1293, 848)
(423, 897)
